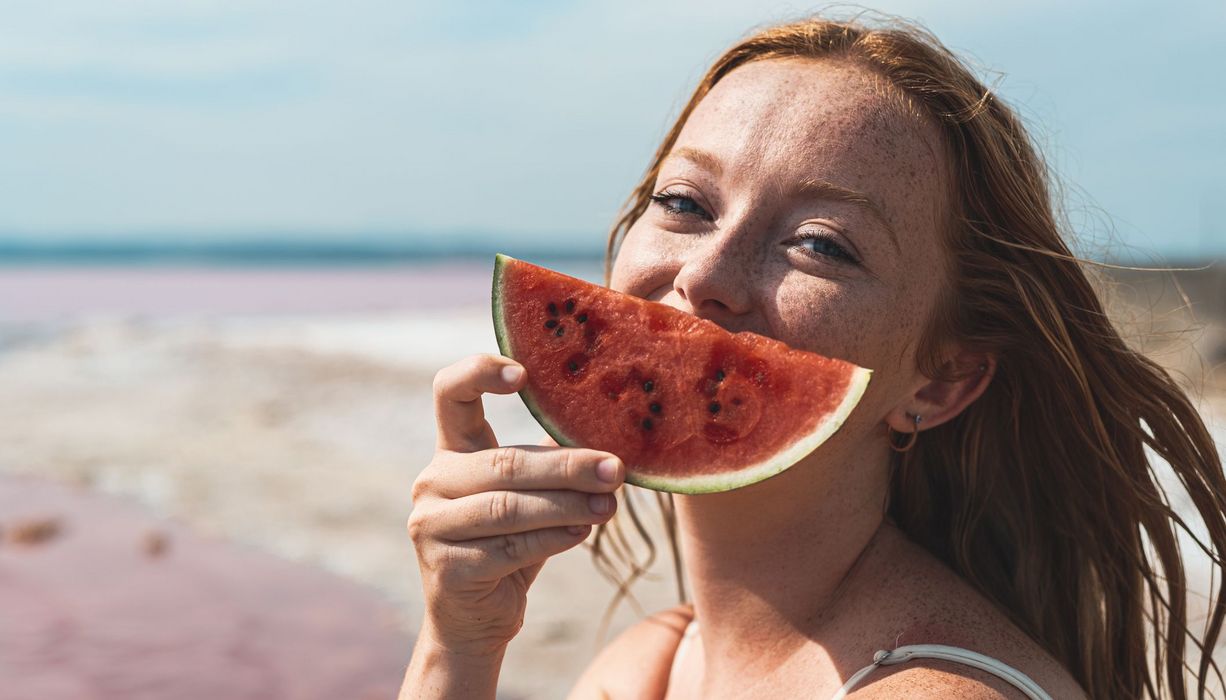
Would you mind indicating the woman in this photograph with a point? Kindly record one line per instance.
(855, 191)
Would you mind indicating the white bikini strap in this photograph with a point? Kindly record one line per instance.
(945, 653)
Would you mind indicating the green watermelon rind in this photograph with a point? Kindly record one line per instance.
(705, 483)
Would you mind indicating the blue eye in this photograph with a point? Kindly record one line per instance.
(680, 204)
(819, 244)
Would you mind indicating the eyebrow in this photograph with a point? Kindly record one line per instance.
(823, 189)
(702, 159)
(828, 190)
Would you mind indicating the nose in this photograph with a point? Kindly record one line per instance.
(715, 280)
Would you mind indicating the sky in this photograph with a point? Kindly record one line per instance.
(524, 121)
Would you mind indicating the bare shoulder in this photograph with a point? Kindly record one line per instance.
(931, 683)
(927, 603)
(937, 680)
(647, 648)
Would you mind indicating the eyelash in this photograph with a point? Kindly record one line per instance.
(663, 199)
(837, 252)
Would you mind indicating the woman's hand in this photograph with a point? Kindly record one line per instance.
(485, 518)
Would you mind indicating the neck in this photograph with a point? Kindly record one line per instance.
(768, 563)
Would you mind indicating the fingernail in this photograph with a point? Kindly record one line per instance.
(512, 373)
(577, 529)
(606, 471)
(599, 503)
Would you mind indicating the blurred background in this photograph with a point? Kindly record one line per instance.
(238, 238)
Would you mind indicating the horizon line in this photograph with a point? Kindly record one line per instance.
(281, 250)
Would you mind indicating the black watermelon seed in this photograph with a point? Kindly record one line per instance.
(654, 408)
(648, 385)
(576, 364)
(551, 323)
(647, 424)
(560, 331)
(581, 318)
(719, 375)
(714, 407)
(552, 309)
(570, 306)
(736, 402)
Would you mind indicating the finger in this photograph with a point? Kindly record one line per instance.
(526, 468)
(500, 556)
(548, 441)
(457, 399)
(506, 512)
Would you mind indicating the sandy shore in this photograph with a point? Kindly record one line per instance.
(299, 430)
(300, 436)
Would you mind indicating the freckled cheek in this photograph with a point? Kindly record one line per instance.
(823, 320)
(848, 324)
(644, 261)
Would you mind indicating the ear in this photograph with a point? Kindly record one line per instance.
(937, 401)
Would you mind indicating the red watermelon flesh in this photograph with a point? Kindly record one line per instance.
(688, 406)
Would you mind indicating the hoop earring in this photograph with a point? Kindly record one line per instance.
(910, 440)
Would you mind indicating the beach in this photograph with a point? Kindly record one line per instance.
(292, 421)
(287, 412)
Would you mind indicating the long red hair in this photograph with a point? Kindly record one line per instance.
(1041, 494)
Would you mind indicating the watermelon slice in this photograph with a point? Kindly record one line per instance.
(688, 406)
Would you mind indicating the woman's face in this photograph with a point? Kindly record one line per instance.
(799, 203)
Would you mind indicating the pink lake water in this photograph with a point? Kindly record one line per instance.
(31, 293)
(47, 292)
(94, 611)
